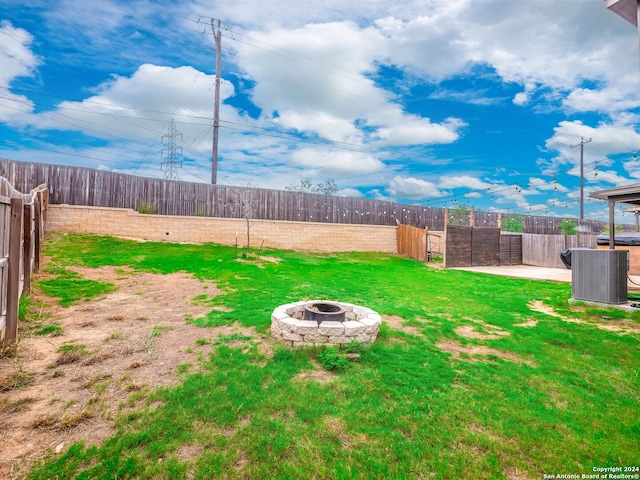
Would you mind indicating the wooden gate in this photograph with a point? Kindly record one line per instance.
(412, 241)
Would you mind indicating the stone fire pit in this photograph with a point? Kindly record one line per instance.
(288, 324)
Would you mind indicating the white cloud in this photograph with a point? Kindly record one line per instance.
(17, 60)
(349, 192)
(546, 185)
(324, 124)
(413, 188)
(411, 130)
(606, 99)
(139, 107)
(335, 162)
(618, 136)
(316, 78)
(463, 181)
(472, 97)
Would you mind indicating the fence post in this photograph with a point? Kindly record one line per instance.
(37, 234)
(13, 288)
(27, 246)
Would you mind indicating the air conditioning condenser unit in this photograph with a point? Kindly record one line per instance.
(599, 275)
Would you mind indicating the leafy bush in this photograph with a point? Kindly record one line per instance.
(567, 227)
(512, 223)
(331, 359)
(459, 216)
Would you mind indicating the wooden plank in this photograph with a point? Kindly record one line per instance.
(412, 241)
(485, 247)
(38, 234)
(457, 251)
(27, 254)
(510, 249)
(13, 287)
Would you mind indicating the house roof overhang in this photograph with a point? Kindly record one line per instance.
(626, 9)
(629, 194)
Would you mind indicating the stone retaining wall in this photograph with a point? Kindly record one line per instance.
(305, 236)
(287, 324)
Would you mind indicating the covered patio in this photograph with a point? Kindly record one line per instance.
(627, 195)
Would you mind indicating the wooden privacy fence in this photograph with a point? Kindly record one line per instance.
(475, 247)
(22, 219)
(99, 188)
(544, 250)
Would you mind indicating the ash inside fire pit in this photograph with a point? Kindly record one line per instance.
(324, 311)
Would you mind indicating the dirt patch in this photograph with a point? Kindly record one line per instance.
(538, 306)
(621, 327)
(318, 374)
(528, 324)
(490, 332)
(397, 323)
(469, 353)
(70, 387)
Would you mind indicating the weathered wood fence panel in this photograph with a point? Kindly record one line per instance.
(480, 247)
(510, 249)
(485, 247)
(5, 217)
(457, 250)
(544, 250)
(90, 187)
(22, 218)
(412, 241)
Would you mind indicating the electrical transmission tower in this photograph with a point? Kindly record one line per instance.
(581, 145)
(171, 153)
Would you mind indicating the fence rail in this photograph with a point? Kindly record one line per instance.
(22, 218)
(89, 187)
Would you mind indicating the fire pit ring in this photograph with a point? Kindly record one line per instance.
(321, 311)
(289, 325)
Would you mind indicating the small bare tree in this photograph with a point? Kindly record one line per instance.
(328, 187)
(244, 199)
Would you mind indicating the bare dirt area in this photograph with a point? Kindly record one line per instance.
(475, 353)
(61, 389)
(621, 327)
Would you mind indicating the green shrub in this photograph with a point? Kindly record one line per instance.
(148, 208)
(331, 359)
(282, 355)
(512, 223)
(567, 227)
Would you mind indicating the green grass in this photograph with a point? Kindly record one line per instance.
(69, 287)
(406, 410)
(51, 330)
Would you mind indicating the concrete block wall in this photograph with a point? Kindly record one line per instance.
(305, 236)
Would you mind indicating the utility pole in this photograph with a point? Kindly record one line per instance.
(217, 35)
(581, 144)
(170, 166)
(216, 107)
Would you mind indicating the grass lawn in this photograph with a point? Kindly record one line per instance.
(466, 379)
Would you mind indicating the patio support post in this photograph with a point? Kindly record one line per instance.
(612, 225)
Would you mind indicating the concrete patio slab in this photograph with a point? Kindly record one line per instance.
(540, 273)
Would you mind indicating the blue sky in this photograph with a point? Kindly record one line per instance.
(433, 102)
